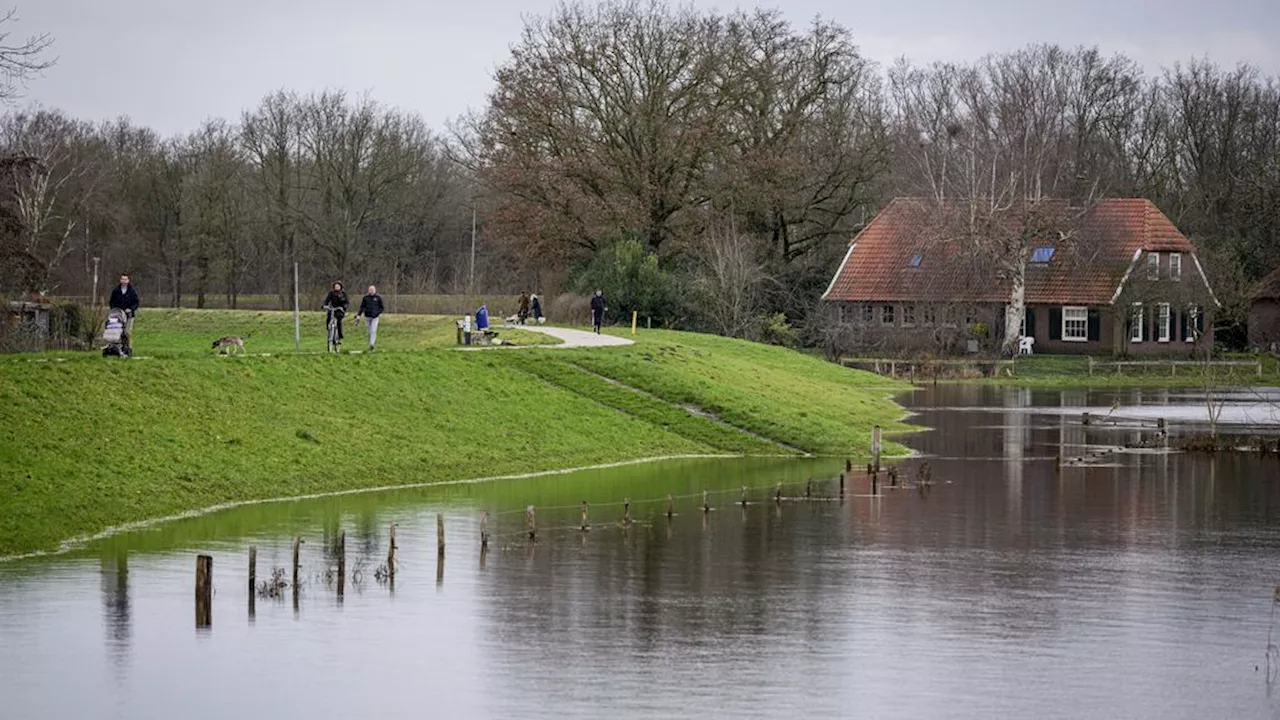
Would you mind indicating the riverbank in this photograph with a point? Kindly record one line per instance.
(93, 443)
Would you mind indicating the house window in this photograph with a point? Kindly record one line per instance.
(908, 315)
(949, 317)
(886, 314)
(915, 260)
(1075, 324)
(1175, 267)
(868, 313)
(1193, 323)
(1136, 324)
(1162, 318)
(930, 314)
(1153, 266)
(1042, 255)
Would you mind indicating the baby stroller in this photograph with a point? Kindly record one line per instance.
(115, 334)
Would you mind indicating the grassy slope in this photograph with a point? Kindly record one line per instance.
(92, 443)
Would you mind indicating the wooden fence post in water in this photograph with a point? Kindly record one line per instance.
(808, 489)
(530, 523)
(484, 531)
(777, 495)
(875, 483)
(204, 591)
(585, 526)
(626, 512)
(706, 506)
(743, 500)
(841, 486)
(875, 447)
(253, 572)
(848, 465)
(297, 549)
(671, 506)
(391, 554)
(342, 563)
(440, 533)
(1084, 419)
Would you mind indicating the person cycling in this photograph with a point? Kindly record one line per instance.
(335, 305)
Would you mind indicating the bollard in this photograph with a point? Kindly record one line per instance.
(841, 486)
(484, 532)
(706, 506)
(626, 512)
(893, 476)
(808, 489)
(391, 555)
(743, 500)
(204, 591)
(671, 506)
(440, 533)
(875, 483)
(584, 526)
(531, 523)
(777, 495)
(342, 563)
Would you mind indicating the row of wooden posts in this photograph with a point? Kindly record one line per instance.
(204, 563)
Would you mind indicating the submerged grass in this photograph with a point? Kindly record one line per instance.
(94, 443)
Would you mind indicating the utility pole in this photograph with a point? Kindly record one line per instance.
(471, 282)
(297, 323)
(93, 301)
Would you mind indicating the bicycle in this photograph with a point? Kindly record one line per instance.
(334, 344)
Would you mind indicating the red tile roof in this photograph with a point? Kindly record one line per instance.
(1084, 271)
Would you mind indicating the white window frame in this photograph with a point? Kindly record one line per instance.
(908, 319)
(888, 315)
(1153, 266)
(1075, 314)
(1175, 267)
(1137, 324)
(1163, 321)
(929, 315)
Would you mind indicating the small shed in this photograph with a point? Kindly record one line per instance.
(1264, 313)
(32, 313)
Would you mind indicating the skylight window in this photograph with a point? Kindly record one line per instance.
(915, 260)
(1042, 255)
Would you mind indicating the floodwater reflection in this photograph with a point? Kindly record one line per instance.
(1138, 584)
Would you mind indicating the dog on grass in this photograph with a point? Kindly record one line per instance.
(229, 344)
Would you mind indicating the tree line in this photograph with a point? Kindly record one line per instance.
(708, 168)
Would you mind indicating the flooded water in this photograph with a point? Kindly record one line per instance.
(1136, 584)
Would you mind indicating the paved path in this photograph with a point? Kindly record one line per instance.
(571, 338)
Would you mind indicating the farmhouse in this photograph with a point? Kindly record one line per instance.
(1264, 313)
(1116, 277)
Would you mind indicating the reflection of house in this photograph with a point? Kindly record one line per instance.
(1115, 278)
(1264, 313)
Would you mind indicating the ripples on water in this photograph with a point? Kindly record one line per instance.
(1137, 587)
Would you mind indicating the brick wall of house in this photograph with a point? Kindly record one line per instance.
(1264, 323)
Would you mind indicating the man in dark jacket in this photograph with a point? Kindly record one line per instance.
(597, 310)
(125, 298)
(336, 302)
(370, 309)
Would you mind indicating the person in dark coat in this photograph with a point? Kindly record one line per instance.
(523, 312)
(125, 298)
(535, 306)
(337, 303)
(597, 310)
(370, 309)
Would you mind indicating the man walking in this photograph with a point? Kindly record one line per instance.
(370, 309)
(597, 310)
(125, 298)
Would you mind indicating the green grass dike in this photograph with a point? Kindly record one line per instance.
(92, 443)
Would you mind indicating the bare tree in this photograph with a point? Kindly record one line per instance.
(729, 283)
(20, 59)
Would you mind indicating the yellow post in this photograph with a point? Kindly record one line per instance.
(634, 314)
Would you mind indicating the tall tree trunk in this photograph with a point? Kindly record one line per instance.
(1015, 311)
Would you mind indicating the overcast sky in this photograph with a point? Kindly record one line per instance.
(172, 63)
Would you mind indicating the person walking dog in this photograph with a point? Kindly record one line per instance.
(370, 308)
